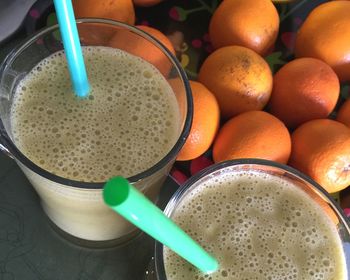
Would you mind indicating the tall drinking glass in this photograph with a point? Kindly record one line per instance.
(261, 220)
(73, 202)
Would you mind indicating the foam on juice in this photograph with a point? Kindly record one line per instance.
(259, 226)
(128, 123)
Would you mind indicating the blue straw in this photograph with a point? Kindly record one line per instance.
(71, 43)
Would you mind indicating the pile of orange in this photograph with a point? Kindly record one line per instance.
(242, 109)
(136, 45)
(295, 127)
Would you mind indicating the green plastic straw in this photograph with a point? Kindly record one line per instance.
(130, 203)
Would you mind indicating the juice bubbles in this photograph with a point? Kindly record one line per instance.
(129, 122)
(259, 225)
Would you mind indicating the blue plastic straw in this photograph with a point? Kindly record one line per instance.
(71, 43)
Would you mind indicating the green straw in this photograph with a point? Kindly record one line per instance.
(130, 203)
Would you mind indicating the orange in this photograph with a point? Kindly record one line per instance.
(304, 89)
(138, 46)
(254, 134)
(321, 150)
(119, 10)
(325, 34)
(343, 115)
(96, 33)
(146, 3)
(249, 23)
(205, 123)
(240, 79)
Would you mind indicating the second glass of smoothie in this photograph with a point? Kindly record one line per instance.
(133, 123)
(261, 220)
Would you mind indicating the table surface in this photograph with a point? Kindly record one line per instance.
(29, 247)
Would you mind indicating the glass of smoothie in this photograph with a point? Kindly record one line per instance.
(261, 220)
(133, 123)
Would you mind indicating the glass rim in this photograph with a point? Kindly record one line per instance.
(17, 154)
(176, 197)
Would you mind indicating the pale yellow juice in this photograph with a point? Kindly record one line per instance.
(128, 123)
(258, 226)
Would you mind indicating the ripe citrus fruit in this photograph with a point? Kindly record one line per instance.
(240, 79)
(321, 149)
(249, 23)
(343, 115)
(325, 34)
(138, 46)
(253, 134)
(205, 123)
(146, 3)
(96, 33)
(304, 89)
(119, 10)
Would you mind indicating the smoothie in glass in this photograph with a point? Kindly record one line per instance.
(132, 124)
(260, 223)
(128, 123)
